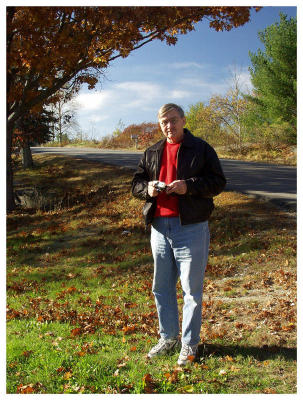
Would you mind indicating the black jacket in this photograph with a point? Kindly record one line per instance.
(197, 164)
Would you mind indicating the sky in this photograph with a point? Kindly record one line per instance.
(200, 65)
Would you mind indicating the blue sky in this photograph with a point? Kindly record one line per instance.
(200, 65)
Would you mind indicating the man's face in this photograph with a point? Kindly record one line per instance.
(172, 126)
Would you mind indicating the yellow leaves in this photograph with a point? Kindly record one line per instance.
(67, 375)
(290, 327)
(188, 388)
(228, 358)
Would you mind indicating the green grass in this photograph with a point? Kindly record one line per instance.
(80, 312)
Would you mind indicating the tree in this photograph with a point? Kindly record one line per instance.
(143, 134)
(221, 120)
(32, 129)
(230, 111)
(274, 73)
(64, 111)
(48, 47)
(202, 121)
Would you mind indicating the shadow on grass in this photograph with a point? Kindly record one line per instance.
(259, 353)
(237, 226)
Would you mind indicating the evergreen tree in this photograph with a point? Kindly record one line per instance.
(274, 73)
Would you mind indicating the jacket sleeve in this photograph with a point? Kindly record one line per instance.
(140, 180)
(212, 181)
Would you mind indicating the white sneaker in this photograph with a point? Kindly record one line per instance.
(187, 354)
(164, 346)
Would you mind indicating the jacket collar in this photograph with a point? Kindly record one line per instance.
(188, 141)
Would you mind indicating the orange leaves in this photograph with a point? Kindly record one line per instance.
(29, 389)
(76, 332)
(67, 375)
(128, 329)
(173, 376)
(25, 389)
(289, 327)
(65, 292)
(39, 39)
(130, 305)
(148, 383)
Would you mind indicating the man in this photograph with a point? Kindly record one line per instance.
(179, 217)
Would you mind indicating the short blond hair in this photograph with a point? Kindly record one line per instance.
(169, 107)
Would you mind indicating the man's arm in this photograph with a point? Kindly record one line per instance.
(213, 180)
(141, 186)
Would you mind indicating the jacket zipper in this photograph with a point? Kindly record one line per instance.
(177, 176)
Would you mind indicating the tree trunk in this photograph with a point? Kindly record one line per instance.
(10, 198)
(27, 159)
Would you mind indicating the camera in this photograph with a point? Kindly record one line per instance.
(160, 186)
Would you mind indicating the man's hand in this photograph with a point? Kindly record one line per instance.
(178, 187)
(152, 191)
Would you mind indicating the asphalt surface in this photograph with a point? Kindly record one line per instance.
(275, 183)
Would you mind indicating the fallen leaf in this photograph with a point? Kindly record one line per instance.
(147, 378)
(25, 389)
(188, 388)
(68, 375)
(76, 332)
(27, 353)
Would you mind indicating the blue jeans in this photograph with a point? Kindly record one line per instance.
(179, 251)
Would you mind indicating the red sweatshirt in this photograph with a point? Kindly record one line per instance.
(167, 205)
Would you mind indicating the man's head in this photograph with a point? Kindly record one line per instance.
(172, 121)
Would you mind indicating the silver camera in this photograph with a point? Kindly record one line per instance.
(160, 186)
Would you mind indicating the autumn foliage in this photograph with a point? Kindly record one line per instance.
(134, 135)
(48, 47)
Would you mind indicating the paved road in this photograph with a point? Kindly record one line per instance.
(275, 183)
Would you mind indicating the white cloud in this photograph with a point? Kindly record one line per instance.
(92, 101)
(136, 98)
(98, 118)
(240, 75)
(203, 86)
(184, 65)
(179, 94)
(136, 93)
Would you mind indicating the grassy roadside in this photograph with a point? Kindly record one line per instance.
(80, 311)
